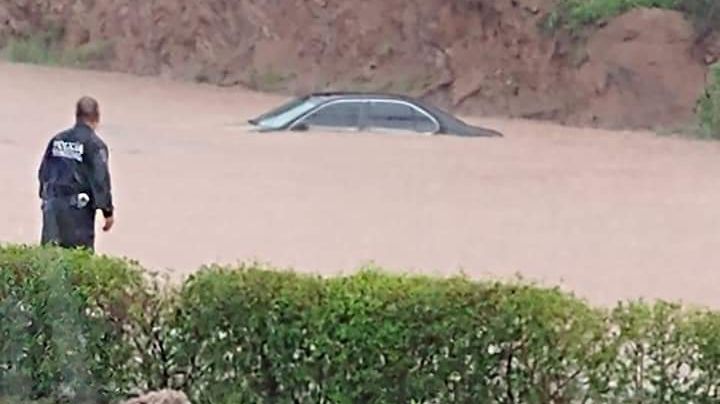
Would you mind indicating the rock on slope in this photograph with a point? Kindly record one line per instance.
(161, 397)
(641, 71)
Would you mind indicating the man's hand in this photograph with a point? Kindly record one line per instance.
(109, 222)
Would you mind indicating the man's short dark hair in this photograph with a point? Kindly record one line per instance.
(87, 109)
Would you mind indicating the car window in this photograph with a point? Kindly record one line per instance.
(396, 115)
(286, 113)
(338, 115)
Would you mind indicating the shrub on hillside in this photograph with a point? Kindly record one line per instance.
(46, 48)
(705, 14)
(709, 105)
(576, 14)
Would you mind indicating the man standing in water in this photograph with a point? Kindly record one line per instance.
(75, 182)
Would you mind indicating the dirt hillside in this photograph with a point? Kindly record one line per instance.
(486, 57)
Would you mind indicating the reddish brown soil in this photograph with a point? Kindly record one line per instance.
(485, 57)
(642, 71)
(607, 214)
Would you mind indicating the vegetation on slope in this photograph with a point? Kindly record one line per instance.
(576, 14)
(709, 106)
(46, 48)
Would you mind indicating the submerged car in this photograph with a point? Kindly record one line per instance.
(365, 112)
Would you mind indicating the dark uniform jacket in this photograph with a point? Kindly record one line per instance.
(76, 161)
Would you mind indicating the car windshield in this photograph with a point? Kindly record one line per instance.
(286, 113)
(440, 113)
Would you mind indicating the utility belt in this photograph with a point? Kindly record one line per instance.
(75, 198)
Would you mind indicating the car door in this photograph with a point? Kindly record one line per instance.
(335, 115)
(398, 117)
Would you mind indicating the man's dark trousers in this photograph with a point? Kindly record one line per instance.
(66, 225)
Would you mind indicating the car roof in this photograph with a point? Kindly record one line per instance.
(361, 95)
(447, 119)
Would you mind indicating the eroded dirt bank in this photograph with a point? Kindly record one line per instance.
(486, 57)
(607, 214)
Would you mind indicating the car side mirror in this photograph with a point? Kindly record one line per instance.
(301, 127)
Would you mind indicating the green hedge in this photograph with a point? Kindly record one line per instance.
(94, 329)
(63, 319)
